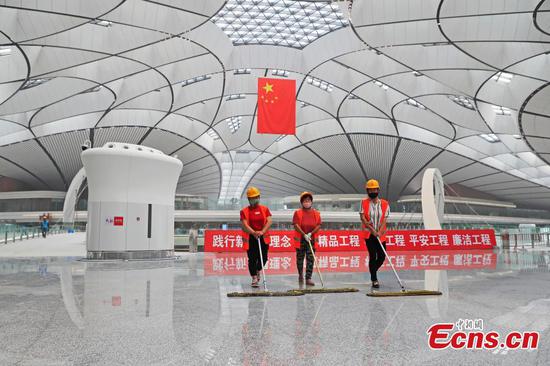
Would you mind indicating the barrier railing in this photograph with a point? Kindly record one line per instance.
(523, 240)
(11, 233)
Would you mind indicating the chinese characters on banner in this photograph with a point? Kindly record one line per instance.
(343, 240)
(236, 241)
(285, 263)
(440, 239)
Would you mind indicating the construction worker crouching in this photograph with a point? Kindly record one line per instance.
(307, 222)
(374, 212)
(256, 220)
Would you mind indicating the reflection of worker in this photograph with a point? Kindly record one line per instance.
(307, 222)
(193, 239)
(256, 220)
(307, 343)
(374, 213)
(45, 225)
(256, 335)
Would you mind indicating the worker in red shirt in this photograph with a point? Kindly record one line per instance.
(256, 220)
(307, 222)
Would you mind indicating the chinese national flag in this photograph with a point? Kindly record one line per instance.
(277, 106)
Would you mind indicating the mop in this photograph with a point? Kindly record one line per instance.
(323, 290)
(403, 291)
(265, 292)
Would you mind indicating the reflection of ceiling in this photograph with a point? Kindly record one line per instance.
(400, 86)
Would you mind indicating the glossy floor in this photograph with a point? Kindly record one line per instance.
(61, 311)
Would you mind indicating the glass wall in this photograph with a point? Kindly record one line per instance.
(31, 204)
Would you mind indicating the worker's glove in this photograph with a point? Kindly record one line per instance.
(308, 236)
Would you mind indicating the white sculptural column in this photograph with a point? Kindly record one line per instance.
(433, 205)
(433, 199)
(131, 191)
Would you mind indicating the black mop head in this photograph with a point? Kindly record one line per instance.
(328, 290)
(404, 293)
(266, 293)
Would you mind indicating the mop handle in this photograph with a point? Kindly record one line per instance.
(391, 264)
(262, 259)
(315, 262)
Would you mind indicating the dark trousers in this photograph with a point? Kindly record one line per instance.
(44, 232)
(304, 253)
(376, 256)
(254, 262)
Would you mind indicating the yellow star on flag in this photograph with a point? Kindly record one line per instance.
(268, 87)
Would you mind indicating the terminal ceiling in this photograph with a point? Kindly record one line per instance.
(384, 90)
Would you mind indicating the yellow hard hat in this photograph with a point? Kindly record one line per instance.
(372, 184)
(252, 192)
(305, 194)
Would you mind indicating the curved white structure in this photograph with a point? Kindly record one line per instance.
(131, 192)
(72, 196)
(433, 205)
(433, 199)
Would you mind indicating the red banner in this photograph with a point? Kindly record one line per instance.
(440, 239)
(285, 263)
(349, 240)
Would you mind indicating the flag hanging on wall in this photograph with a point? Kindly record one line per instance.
(276, 106)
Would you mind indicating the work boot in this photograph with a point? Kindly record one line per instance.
(309, 282)
(300, 278)
(254, 281)
(375, 284)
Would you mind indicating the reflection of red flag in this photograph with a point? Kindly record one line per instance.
(116, 301)
(277, 106)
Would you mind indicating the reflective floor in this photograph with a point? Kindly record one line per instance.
(61, 311)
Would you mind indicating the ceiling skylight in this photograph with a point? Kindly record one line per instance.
(381, 85)
(213, 134)
(416, 104)
(503, 77)
(92, 89)
(235, 97)
(320, 84)
(242, 71)
(502, 111)
(490, 137)
(234, 123)
(277, 72)
(5, 51)
(101, 22)
(463, 101)
(195, 80)
(278, 22)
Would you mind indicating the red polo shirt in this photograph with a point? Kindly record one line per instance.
(308, 220)
(256, 219)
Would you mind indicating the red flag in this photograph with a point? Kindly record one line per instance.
(277, 106)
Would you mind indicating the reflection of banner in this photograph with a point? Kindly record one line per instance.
(351, 240)
(285, 263)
